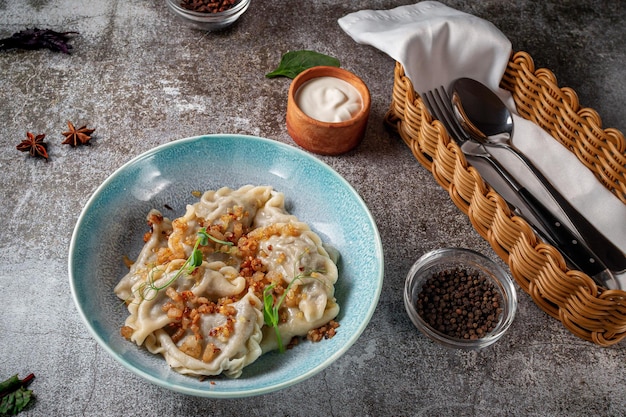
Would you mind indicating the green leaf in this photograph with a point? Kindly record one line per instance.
(6, 406)
(14, 395)
(15, 401)
(22, 398)
(294, 62)
(9, 384)
(269, 315)
(203, 237)
(196, 259)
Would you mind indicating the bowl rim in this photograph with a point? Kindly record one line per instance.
(498, 275)
(358, 331)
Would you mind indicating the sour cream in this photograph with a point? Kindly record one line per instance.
(328, 99)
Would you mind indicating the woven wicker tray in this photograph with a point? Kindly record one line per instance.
(590, 312)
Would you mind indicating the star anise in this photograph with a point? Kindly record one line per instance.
(34, 145)
(75, 137)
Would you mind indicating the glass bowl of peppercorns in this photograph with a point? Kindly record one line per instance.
(209, 15)
(460, 298)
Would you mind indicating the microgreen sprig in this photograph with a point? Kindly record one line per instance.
(270, 308)
(193, 261)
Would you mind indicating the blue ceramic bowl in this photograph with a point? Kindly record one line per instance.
(112, 224)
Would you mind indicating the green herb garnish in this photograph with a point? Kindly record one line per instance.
(14, 395)
(194, 261)
(270, 308)
(294, 62)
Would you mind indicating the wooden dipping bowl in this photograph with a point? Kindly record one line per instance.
(327, 138)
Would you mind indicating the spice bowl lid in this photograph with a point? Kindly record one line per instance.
(327, 137)
(460, 298)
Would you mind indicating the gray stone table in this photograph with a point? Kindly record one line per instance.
(141, 79)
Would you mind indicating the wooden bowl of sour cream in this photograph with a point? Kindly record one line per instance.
(327, 110)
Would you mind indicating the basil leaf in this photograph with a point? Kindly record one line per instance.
(294, 62)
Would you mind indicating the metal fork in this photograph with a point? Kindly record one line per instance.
(556, 233)
(439, 104)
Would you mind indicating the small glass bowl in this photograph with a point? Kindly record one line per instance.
(208, 21)
(446, 259)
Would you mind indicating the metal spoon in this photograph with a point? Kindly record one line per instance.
(488, 121)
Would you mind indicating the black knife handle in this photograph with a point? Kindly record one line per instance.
(562, 237)
(607, 251)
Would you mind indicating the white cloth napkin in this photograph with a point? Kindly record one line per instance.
(437, 44)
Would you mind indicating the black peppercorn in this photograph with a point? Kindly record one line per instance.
(460, 303)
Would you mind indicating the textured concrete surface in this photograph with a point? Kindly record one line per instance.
(142, 80)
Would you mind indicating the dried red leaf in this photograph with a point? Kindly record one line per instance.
(38, 39)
